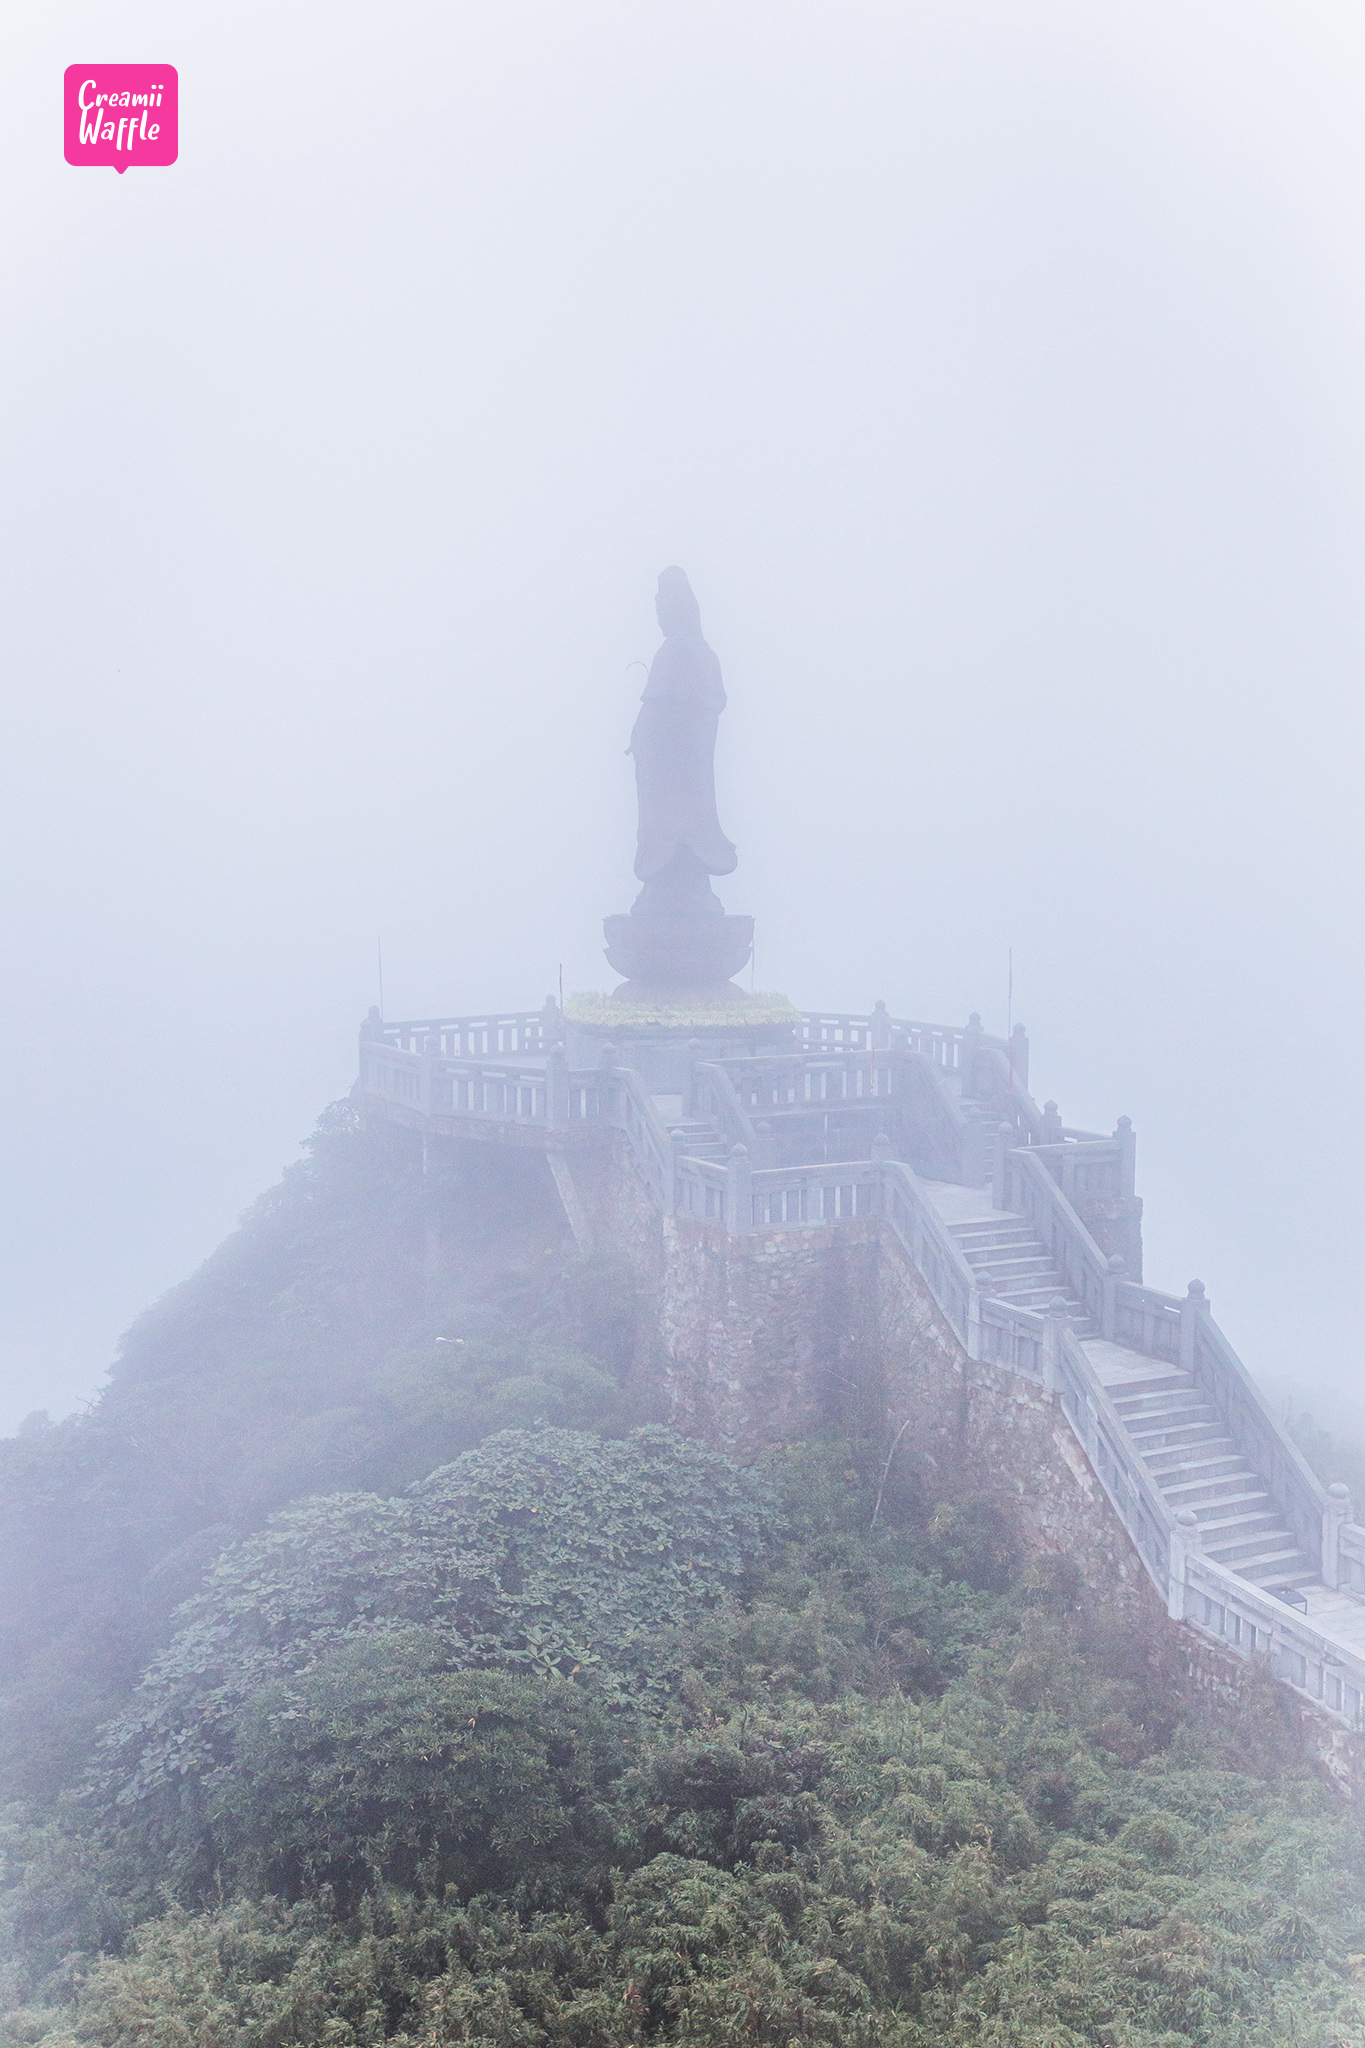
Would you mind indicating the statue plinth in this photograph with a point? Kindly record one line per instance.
(691, 951)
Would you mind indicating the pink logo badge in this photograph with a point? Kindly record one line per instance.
(122, 114)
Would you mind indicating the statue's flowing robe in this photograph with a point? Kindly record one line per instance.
(674, 744)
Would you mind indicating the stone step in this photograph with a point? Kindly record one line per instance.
(1257, 1520)
(1286, 1568)
(1197, 1465)
(1212, 1494)
(1156, 1397)
(1177, 1434)
(1261, 1552)
(1149, 1424)
(1024, 1296)
(1179, 1478)
(1002, 1254)
(1014, 1269)
(991, 1243)
(1175, 1437)
(1025, 1248)
(1156, 1386)
(1282, 1581)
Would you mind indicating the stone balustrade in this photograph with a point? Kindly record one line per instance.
(1130, 1486)
(715, 1098)
(1197, 1589)
(508, 1031)
(1350, 1555)
(1022, 1184)
(1229, 1388)
(1322, 1670)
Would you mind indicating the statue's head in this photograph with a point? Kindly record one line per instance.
(678, 611)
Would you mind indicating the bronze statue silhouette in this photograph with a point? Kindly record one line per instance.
(681, 844)
(677, 936)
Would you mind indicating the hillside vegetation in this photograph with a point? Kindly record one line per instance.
(382, 1668)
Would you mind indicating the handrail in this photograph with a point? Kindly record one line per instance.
(1351, 1556)
(1310, 1660)
(934, 1251)
(1025, 1185)
(1013, 1337)
(1233, 1393)
(1086, 1166)
(1146, 1320)
(513, 1031)
(788, 1085)
(699, 1189)
(1136, 1498)
(838, 1192)
(710, 1080)
(1197, 1589)
(630, 1108)
(856, 1031)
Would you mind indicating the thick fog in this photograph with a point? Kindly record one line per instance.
(993, 370)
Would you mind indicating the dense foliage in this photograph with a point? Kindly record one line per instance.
(311, 1353)
(577, 1736)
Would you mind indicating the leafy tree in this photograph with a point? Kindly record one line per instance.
(550, 1552)
(383, 1765)
(313, 1352)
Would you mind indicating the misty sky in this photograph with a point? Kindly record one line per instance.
(994, 370)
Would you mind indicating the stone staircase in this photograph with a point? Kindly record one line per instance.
(702, 1137)
(1196, 1465)
(1014, 1265)
(1171, 1426)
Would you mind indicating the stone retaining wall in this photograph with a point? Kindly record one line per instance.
(767, 1337)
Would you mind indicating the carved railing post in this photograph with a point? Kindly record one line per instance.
(739, 1195)
(1004, 1140)
(1019, 1055)
(1052, 1124)
(1127, 1138)
(1184, 1542)
(1113, 1274)
(1090, 1428)
(967, 1051)
(1335, 1515)
(1193, 1309)
(1054, 1336)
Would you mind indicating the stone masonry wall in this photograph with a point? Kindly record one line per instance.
(764, 1338)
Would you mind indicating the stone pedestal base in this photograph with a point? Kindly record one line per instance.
(715, 1005)
(689, 952)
